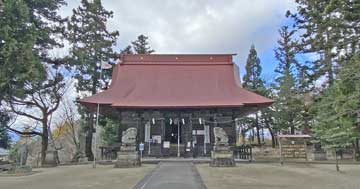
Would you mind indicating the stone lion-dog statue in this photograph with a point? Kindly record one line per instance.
(129, 136)
(220, 136)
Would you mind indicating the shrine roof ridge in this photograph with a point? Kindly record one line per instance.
(178, 59)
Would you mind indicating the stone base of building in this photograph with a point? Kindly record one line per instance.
(128, 157)
(222, 156)
(50, 159)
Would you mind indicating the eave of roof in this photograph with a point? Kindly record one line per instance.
(176, 81)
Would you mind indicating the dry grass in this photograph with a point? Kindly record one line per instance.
(78, 176)
(256, 176)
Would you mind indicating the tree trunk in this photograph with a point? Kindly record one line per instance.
(355, 149)
(252, 134)
(90, 127)
(242, 133)
(272, 137)
(44, 141)
(88, 138)
(337, 161)
(257, 129)
(292, 129)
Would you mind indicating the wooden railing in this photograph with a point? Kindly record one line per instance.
(243, 152)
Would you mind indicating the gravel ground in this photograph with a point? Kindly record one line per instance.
(256, 176)
(77, 176)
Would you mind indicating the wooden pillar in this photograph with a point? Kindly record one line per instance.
(142, 128)
(138, 140)
(233, 117)
(191, 136)
(215, 124)
(162, 135)
(120, 126)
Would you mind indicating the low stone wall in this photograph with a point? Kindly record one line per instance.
(265, 152)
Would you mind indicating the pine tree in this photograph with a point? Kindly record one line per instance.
(19, 61)
(141, 45)
(252, 80)
(4, 135)
(29, 30)
(127, 50)
(337, 119)
(91, 44)
(288, 100)
(329, 28)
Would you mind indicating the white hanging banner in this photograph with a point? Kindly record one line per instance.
(147, 132)
(198, 132)
(206, 134)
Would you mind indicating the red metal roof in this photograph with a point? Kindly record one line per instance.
(176, 81)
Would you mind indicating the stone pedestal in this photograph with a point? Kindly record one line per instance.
(50, 159)
(222, 156)
(128, 157)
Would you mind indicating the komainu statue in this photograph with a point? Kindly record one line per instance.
(128, 156)
(129, 136)
(221, 155)
(220, 136)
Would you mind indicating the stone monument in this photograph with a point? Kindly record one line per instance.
(128, 156)
(51, 159)
(221, 156)
(22, 155)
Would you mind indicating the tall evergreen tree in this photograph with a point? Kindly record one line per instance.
(4, 135)
(141, 45)
(127, 50)
(29, 30)
(268, 115)
(337, 120)
(329, 28)
(19, 64)
(252, 80)
(91, 44)
(288, 100)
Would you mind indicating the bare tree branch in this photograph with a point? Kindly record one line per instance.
(23, 132)
(13, 109)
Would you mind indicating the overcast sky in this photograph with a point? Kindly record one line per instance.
(201, 26)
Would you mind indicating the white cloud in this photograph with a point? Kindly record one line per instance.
(203, 26)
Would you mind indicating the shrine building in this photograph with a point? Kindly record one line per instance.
(176, 100)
